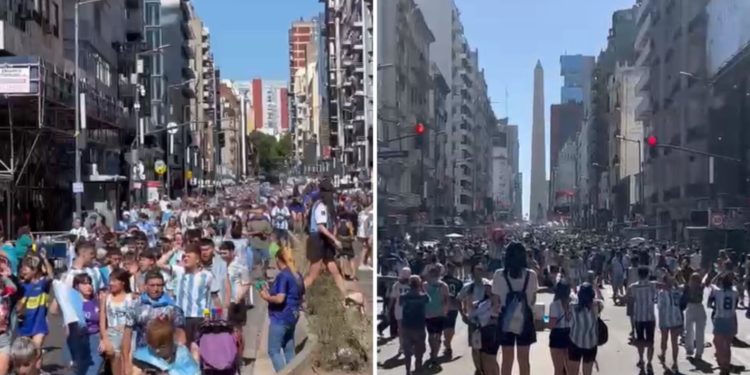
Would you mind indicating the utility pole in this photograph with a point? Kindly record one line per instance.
(78, 112)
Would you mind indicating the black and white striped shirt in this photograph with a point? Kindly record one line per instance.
(643, 294)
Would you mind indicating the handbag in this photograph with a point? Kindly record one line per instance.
(602, 332)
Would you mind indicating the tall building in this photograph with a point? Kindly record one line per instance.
(270, 107)
(672, 39)
(539, 199)
(576, 71)
(349, 36)
(470, 116)
(404, 98)
(300, 35)
(565, 122)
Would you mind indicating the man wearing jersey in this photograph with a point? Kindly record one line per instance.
(398, 289)
(454, 287)
(643, 294)
(435, 311)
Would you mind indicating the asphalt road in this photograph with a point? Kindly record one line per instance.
(614, 358)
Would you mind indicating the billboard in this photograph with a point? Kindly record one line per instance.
(728, 32)
(15, 80)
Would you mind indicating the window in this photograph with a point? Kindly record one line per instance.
(153, 14)
(56, 20)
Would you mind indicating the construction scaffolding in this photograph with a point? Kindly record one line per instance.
(37, 137)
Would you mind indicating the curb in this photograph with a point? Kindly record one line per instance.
(302, 363)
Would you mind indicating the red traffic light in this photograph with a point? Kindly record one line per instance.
(419, 128)
(651, 140)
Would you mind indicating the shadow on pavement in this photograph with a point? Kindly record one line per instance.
(702, 366)
(393, 362)
(737, 343)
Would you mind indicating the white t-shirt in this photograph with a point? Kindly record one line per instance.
(320, 216)
(477, 291)
(500, 286)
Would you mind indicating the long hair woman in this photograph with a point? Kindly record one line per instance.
(515, 288)
(723, 300)
(584, 335)
(284, 305)
(671, 319)
(559, 324)
(115, 309)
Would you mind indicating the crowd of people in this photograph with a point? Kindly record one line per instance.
(167, 288)
(492, 282)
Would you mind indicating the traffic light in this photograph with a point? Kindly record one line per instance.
(652, 142)
(419, 132)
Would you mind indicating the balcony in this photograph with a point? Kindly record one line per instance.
(187, 50)
(187, 9)
(187, 31)
(188, 91)
(188, 72)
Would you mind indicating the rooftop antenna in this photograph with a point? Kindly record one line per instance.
(506, 102)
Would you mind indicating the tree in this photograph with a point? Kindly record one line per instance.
(270, 155)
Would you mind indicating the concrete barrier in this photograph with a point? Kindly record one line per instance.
(302, 364)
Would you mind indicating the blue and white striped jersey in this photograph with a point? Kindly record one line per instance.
(643, 294)
(93, 272)
(670, 313)
(724, 301)
(583, 326)
(193, 291)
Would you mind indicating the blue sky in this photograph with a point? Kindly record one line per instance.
(250, 38)
(511, 35)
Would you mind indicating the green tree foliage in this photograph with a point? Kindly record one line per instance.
(270, 155)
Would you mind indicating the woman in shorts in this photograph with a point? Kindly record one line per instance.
(584, 335)
(559, 324)
(671, 319)
(116, 309)
(723, 300)
(485, 337)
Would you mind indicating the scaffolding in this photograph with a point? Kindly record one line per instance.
(37, 137)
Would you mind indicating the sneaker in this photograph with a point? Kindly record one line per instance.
(649, 369)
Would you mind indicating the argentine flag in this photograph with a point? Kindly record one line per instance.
(71, 303)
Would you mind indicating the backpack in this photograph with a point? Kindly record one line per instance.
(602, 331)
(515, 311)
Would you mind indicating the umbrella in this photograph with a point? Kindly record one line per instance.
(454, 235)
(635, 241)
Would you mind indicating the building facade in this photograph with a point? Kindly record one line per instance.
(270, 106)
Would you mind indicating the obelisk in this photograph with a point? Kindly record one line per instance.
(538, 200)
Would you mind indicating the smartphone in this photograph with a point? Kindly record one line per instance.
(259, 284)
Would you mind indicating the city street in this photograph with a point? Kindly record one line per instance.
(615, 358)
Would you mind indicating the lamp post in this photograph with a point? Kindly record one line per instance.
(78, 103)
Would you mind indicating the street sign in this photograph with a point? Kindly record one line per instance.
(172, 128)
(160, 167)
(78, 187)
(717, 219)
(392, 154)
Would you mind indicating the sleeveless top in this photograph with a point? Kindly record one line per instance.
(118, 313)
(434, 307)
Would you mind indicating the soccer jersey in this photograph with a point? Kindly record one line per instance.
(583, 326)
(193, 291)
(670, 313)
(644, 297)
(35, 301)
(557, 311)
(725, 302)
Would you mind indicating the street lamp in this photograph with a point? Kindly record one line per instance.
(78, 106)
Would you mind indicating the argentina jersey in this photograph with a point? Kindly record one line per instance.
(724, 302)
(193, 291)
(644, 297)
(97, 281)
(670, 313)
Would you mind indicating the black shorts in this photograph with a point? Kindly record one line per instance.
(346, 252)
(559, 338)
(237, 314)
(450, 319)
(320, 248)
(644, 332)
(577, 354)
(526, 338)
(193, 329)
(435, 325)
(490, 340)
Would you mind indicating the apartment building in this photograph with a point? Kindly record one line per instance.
(349, 39)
